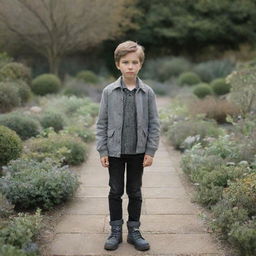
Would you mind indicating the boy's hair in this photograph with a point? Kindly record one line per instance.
(127, 47)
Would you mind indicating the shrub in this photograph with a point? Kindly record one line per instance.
(6, 209)
(45, 84)
(214, 108)
(178, 132)
(226, 214)
(25, 126)
(243, 89)
(220, 87)
(213, 181)
(15, 71)
(242, 193)
(162, 69)
(10, 250)
(9, 97)
(78, 88)
(4, 59)
(10, 145)
(54, 120)
(24, 90)
(244, 237)
(67, 105)
(66, 148)
(21, 230)
(160, 89)
(196, 158)
(87, 135)
(172, 67)
(91, 109)
(188, 78)
(201, 90)
(38, 184)
(88, 76)
(210, 70)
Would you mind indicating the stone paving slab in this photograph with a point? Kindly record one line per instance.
(165, 192)
(171, 224)
(169, 206)
(93, 205)
(161, 244)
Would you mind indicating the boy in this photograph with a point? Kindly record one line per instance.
(127, 132)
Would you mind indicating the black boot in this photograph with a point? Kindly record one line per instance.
(116, 235)
(135, 237)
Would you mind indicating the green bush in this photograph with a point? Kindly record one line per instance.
(22, 230)
(195, 158)
(220, 87)
(164, 68)
(91, 109)
(45, 84)
(87, 135)
(54, 120)
(77, 88)
(212, 182)
(242, 193)
(15, 71)
(186, 133)
(10, 250)
(10, 145)
(38, 184)
(25, 126)
(188, 78)
(4, 59)
(9, 97)
(243, 89)
(67, 105)
(213, 69)
(68, 149)
(159, 88)
(24, 90)
(202, 90)
(6, 209)
(173, 67)
(87, 76)
(226, 214)
(244, 237)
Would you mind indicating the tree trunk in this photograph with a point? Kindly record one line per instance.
(54, 64)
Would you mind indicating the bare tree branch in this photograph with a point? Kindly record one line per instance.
(57, 27)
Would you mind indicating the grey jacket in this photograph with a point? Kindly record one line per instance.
(110, 120)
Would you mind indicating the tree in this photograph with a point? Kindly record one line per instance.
(177, 25)
(54, 28)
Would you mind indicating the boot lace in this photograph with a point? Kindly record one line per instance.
(136, 234)
(115, 232)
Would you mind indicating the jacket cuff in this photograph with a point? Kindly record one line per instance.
(103, 153)
(150, 151)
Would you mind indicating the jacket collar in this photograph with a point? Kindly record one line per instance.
(117, 84)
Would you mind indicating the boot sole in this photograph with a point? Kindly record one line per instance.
(138, 248)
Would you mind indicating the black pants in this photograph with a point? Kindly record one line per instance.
(134, 172)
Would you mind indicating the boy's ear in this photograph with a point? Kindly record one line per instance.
(117, 65)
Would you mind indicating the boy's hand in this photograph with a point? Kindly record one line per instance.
(148, 160)
(104, 161)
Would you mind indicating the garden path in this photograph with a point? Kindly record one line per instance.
(170, 221)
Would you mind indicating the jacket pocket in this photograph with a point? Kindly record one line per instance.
(111, 133)
(145, 131)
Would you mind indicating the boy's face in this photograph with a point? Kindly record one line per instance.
(129, 65)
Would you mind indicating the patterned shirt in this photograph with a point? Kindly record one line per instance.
(129, 130)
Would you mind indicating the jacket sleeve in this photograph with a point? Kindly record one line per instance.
(153, 126)
(102, 126)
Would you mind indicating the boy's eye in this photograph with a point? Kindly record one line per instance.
(135, 62)
(125, 62)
